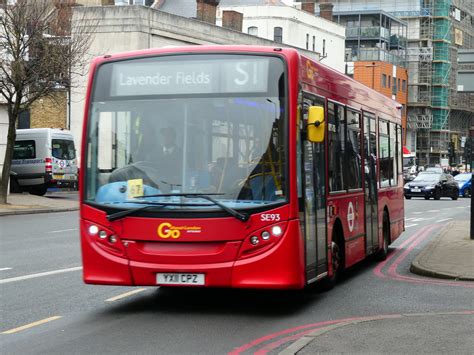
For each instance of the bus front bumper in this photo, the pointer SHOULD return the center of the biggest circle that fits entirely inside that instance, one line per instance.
(281, 267)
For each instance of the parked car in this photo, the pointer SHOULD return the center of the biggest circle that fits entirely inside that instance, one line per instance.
(434, 169)
(43, 158)
(464, 181)
(431, 184)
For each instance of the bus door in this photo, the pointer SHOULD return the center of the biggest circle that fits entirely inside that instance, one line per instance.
(370, 152)
(312, 197)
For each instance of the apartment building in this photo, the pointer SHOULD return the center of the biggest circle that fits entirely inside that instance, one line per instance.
(437, 113)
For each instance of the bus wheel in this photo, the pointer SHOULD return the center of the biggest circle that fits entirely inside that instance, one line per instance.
(383, 252)
(337, 263)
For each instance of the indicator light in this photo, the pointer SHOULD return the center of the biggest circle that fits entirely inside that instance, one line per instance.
(254, 240)
(102, 234)
(112, 239)
(265, 235)
(276, 231)
(93, 230)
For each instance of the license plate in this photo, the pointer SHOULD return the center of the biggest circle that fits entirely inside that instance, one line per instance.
(180, 279)
(415, 190)
(58, 176)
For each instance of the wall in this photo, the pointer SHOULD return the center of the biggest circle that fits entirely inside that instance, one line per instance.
(50, 112)
(296, 24)
(126, 28)
(370, 74)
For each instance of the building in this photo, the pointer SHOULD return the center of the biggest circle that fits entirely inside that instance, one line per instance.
(436, 31)
(375, 53)
(273, 20)
(291, 26)
(126, 28)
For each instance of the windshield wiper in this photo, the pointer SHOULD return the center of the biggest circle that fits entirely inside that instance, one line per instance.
(243, 217)
(121, 214)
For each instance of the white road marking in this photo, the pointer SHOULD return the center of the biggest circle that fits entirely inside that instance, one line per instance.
(411, 225)
(445, 219)
(64, 230)
(417, 212)
(421, 219)
(31, 325)
(5, 268)
(41, 274)
(433, 211)
(123, 295)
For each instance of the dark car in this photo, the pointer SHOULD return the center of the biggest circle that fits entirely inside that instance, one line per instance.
(431, 184)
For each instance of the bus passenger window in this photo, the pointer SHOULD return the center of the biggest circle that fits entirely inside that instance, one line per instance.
(384, 151)
(353, 161)
(336, 128)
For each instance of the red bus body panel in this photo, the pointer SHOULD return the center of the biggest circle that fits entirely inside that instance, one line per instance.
(220, 247)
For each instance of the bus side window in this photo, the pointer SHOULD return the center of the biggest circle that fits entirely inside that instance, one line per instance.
(353, 160)
(336, 146)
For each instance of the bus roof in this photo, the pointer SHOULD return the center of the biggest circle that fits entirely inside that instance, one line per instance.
(349, 91)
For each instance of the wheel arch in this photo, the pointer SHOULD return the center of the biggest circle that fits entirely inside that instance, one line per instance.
(338, 237)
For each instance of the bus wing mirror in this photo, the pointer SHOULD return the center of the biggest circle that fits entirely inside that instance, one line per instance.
(316, 124)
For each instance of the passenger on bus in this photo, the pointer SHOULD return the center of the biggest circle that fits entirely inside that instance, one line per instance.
(170, 158)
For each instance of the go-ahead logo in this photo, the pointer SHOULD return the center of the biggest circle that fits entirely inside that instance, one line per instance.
(167, 230)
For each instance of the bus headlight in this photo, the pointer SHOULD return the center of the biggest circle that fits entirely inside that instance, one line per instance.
(265, 235)
(276, 231)
(254, 240)
(93, 230)
(261, 240)
(104, 237)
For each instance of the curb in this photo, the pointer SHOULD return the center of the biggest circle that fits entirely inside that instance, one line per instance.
(35, 211)
(418, 268)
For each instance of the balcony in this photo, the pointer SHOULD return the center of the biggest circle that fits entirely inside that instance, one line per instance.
(367, 32)
(375, 54)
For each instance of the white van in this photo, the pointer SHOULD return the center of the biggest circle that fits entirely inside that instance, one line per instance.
(43, 158)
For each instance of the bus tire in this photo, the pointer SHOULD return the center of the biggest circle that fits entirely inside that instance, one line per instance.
(383, 252)
(337, 259)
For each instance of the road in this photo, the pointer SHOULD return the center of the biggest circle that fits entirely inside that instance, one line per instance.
(45, 307)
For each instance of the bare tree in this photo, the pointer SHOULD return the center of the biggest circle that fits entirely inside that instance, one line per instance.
(38, 49)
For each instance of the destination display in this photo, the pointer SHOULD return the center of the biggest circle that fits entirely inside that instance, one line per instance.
(135, 78)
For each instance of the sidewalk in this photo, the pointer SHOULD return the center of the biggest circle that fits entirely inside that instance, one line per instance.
(25, 203)
(449, 256)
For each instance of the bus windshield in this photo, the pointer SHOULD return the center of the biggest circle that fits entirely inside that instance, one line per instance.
(192, 124)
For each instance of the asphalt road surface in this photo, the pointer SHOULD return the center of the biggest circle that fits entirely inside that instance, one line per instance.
(46, 308)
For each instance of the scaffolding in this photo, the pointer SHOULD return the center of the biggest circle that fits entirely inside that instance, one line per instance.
(441, 89)
(437, 112)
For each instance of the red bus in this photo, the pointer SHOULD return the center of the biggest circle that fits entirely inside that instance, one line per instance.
(234, 166)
